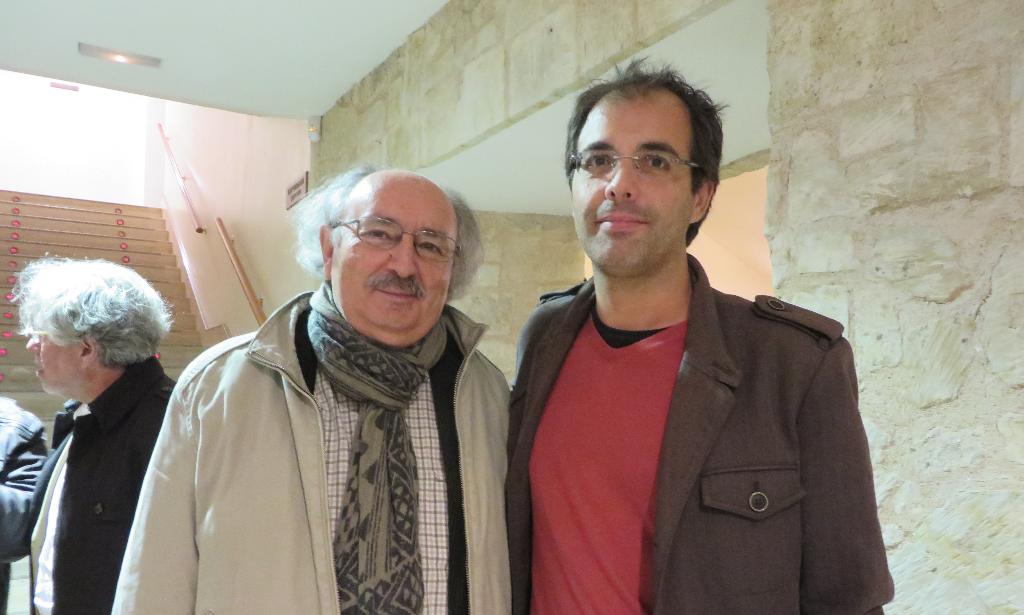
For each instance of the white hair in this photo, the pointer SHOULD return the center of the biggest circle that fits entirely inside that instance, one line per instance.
(73, 300)
(325, 205)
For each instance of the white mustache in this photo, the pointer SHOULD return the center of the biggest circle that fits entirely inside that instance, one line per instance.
(392, 281)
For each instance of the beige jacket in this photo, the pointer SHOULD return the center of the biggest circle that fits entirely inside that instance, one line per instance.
(233, 516)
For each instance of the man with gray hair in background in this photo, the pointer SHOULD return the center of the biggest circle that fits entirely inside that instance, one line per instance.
(93, 328)
(349, 455)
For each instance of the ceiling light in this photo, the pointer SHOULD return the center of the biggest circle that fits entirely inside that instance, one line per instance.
(113, 55)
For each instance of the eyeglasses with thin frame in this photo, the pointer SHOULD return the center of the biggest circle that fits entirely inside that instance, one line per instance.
(386, 234)
(34, 334)
(601, 163)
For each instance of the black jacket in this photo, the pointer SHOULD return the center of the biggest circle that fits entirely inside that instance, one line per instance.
(109, 453)
(22, 452)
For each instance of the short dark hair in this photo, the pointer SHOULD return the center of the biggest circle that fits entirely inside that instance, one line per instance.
(639, 79)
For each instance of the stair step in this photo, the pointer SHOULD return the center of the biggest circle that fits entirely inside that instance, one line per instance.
(11, 264)
(17, 354)
(82, 215)
(45, 406)
(60, 201)
(96, 228)
(184, 323)
(174, 292)
(183, 328)
(183, 331)
(18, 377)
(26, 248)
(82, 239)
(34, 226)
(20, 383)
(181, 309)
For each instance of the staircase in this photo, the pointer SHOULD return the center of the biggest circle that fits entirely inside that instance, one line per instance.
(33, 226)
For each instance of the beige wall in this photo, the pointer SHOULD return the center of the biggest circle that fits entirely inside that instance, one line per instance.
(526, 255)
(480, 65)
(239, 167)
(731, 245)
(895, 183)
(895, 206)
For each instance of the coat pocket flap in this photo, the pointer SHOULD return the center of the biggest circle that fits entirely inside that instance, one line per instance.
(754, 492)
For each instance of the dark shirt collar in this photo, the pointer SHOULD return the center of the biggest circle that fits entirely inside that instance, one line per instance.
(120, 398)
(620, 338)
(706, 348)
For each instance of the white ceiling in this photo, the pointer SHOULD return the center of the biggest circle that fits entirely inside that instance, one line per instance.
(296, 59)
(290, 59)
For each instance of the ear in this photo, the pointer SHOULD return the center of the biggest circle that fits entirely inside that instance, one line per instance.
(89, 350)
(702, 201)
(327, 248)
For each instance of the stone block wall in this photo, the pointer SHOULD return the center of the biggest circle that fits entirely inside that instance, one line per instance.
(526, 256)
(895, 205)
(478, 66)
(895, 188)
(475, 67)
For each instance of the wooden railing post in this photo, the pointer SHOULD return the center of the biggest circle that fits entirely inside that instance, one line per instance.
(255, 304)
(181, 180)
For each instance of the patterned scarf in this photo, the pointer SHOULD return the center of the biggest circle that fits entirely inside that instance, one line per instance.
(377, 560)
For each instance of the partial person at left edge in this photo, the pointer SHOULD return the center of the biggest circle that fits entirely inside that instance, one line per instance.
(22, 453)
(93, 328)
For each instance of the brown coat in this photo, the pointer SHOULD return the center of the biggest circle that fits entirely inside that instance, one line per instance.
(765, 501)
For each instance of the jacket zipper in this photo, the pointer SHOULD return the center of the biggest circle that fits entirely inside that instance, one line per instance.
(462, 476)
(323, 462)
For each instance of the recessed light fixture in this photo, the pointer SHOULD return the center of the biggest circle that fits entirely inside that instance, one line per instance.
(120, 57)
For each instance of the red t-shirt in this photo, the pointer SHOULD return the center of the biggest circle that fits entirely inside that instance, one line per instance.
(592, 474)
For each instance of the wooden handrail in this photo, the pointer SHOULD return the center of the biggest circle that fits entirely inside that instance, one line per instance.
(255, 304)
(181, 180)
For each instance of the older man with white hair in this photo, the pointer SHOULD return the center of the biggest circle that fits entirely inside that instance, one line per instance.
(348, 456)
(93, 327)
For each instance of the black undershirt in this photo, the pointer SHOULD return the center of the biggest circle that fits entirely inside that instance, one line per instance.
(620, 338)
(442, 384)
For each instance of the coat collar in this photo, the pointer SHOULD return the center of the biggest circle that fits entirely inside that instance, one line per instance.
(705, 341)
(121, 397)
(274, 342)
(706, 350)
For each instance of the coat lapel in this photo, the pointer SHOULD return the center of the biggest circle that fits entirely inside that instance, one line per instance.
(545, 363)
(542, 356)
(701, 402)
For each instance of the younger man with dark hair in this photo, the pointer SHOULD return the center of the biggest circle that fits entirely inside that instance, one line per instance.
(674, 450)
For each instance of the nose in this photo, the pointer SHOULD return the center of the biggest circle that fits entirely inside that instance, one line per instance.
(403, 257)
(32, 345)
(622, 183)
